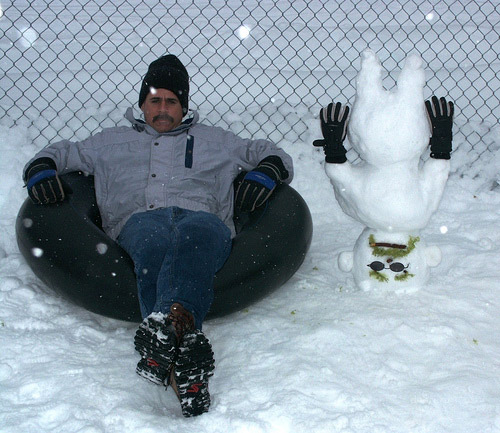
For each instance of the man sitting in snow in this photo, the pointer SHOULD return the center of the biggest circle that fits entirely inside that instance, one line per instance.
(164, 187)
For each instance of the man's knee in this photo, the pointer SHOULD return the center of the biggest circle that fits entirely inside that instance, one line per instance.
(207, 226)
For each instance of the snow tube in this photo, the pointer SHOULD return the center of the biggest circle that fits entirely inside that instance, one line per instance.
(67, 249)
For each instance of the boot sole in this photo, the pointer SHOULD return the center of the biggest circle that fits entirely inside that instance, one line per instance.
(156, 340)
(193, 367)
(154, 374)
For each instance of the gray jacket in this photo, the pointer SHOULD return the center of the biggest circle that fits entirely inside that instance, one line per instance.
(137, 169)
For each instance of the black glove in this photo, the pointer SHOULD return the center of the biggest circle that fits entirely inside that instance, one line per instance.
(441, 116)
(334, 129)
(257, 185)
(43, 183)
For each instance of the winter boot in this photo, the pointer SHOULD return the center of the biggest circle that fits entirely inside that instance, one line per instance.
(193, 367)
(156, 343)
(149, 369)
(157, 340)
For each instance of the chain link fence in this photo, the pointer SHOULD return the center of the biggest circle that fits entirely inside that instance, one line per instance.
(260, 68)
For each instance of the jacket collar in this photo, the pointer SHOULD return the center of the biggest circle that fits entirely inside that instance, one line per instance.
(141, 126)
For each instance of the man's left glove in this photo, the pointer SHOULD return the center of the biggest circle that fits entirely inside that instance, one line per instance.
(43, 183)
(257, 185)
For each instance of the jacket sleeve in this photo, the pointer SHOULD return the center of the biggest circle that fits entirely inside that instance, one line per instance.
(249, 153)
(70, 155)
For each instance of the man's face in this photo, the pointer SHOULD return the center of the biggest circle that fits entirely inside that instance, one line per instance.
(162, 110)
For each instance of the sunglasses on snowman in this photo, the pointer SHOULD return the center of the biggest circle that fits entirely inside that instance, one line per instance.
(394, 267)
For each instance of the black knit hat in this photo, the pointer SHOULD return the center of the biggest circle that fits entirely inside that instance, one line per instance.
(169, 73)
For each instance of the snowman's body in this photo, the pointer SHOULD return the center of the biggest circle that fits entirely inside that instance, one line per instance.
(397, 197)
(392, 191)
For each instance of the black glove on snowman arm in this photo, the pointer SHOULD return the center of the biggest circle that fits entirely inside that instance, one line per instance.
(334, 129)
(441, 116)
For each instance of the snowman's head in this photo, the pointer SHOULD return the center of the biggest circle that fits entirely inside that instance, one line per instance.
(389, 126)
(392, 261)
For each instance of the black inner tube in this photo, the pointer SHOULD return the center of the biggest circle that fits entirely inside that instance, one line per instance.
(67, 249)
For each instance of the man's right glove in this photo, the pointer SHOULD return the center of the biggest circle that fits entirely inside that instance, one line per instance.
(334, 129)
(441, 117)
(43, 183)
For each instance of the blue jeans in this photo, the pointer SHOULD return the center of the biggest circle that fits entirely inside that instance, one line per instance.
(176, 253)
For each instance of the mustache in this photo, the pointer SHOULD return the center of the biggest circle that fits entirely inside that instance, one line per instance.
(163, 116)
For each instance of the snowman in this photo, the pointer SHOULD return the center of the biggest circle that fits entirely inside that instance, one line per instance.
(392, 191)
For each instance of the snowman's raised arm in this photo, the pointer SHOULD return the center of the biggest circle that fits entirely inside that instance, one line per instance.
(334, 129)
(441, 116)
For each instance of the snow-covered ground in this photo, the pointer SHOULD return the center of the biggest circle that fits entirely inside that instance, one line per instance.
(318, 355)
